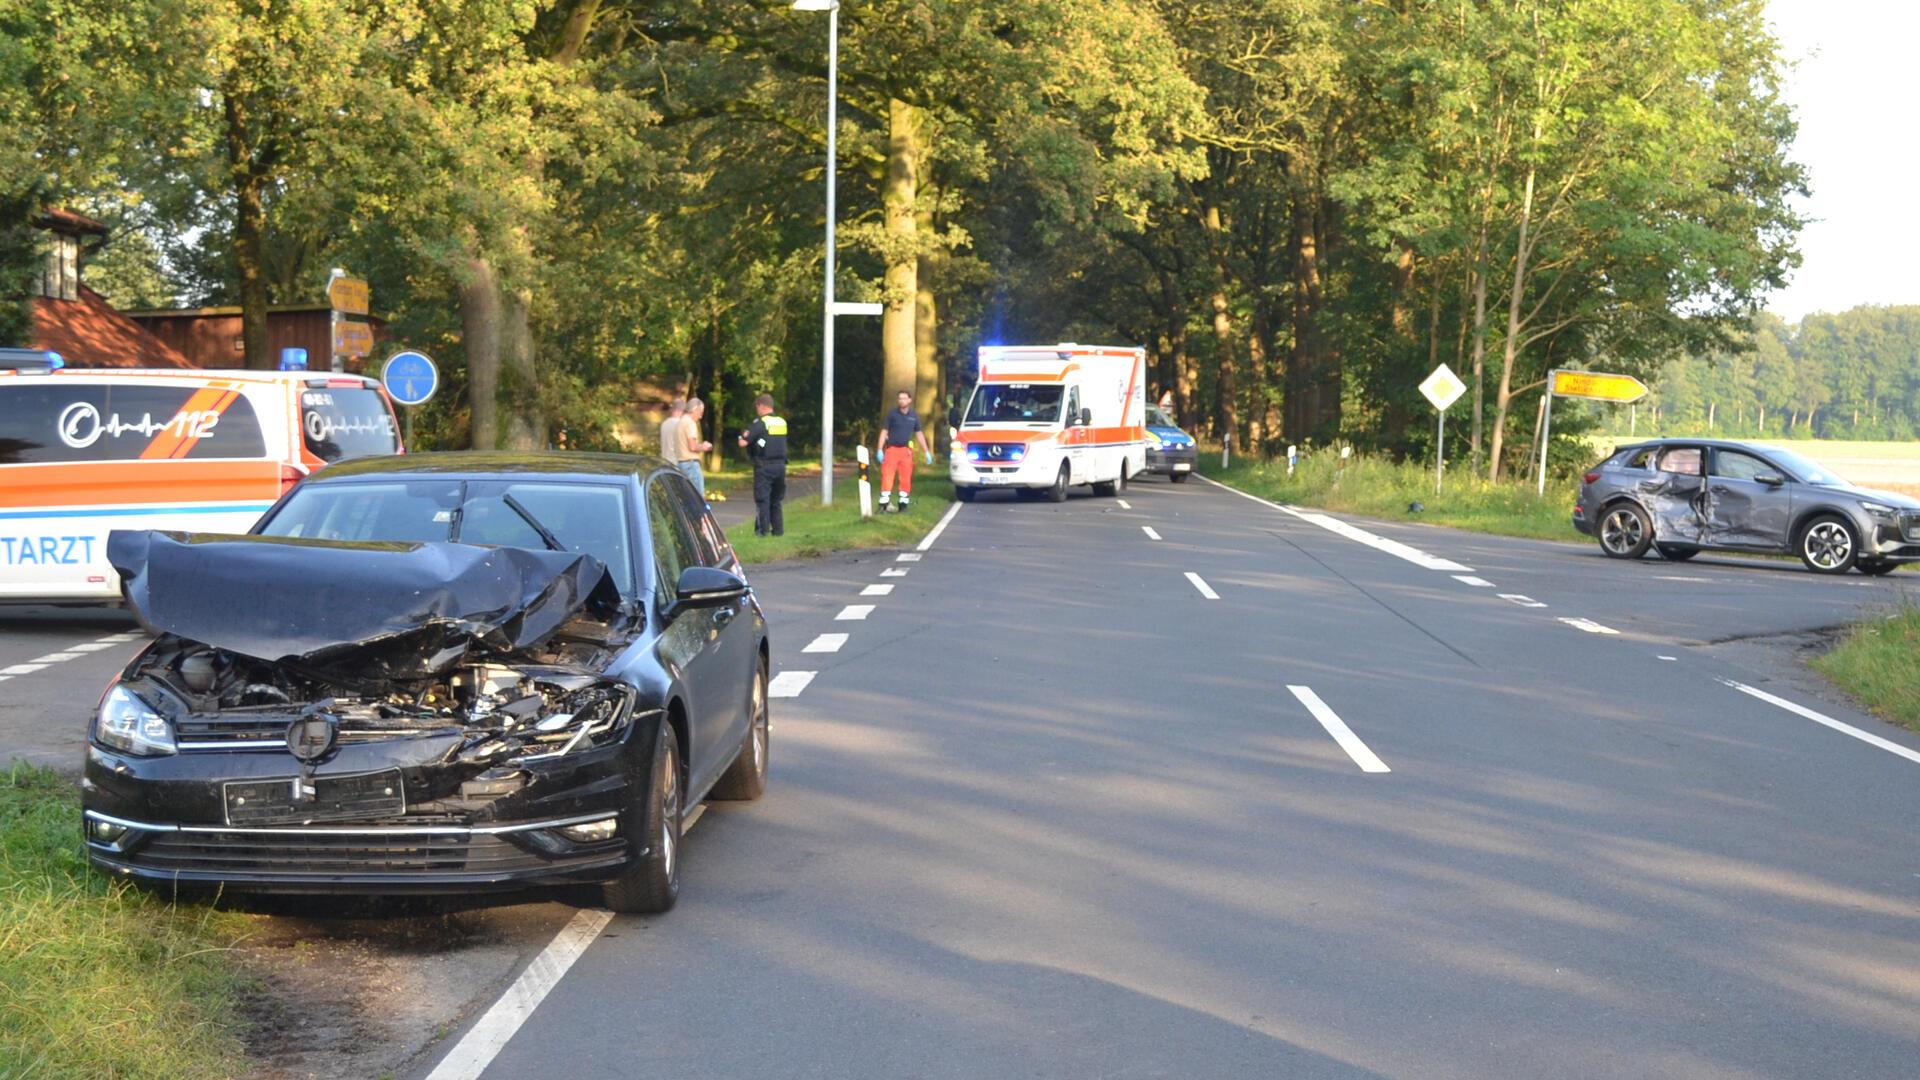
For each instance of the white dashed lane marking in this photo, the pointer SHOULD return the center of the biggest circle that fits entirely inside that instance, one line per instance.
(910, 556)
(894, 571)
(789, 683)
(853, 611)
(1124, 504)
(876, 590)
(21, 669)
(1342, 734)
(826, 643)
(56, 657)
(1522, 600)
(1476, 582)
(1588, 625)
(1148, 529)
(1206, 590)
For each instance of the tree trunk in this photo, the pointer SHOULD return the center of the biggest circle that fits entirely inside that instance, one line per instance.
(249, 232)
(1510, 348)
(1304, 368)
(900, 195)
(1477, 285)
(1225, 385)
(526, 424)
(480, 339)
(930, 387)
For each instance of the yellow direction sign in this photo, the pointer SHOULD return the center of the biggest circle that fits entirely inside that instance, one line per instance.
(348, 296)
(1599, 387)
(352, 338)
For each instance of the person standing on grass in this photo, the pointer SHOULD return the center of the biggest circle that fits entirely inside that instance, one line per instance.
(692, 445)
(765, 441)
(670, 430)
(896, 452)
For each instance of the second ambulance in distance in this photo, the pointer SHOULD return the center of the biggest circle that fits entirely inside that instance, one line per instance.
(1048, 417)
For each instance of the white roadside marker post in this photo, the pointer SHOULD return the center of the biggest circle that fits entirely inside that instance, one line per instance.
(865, 461)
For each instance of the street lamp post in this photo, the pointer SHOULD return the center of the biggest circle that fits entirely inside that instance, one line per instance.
(832, 8)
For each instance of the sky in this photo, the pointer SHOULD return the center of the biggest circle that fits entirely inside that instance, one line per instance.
(1854, 88)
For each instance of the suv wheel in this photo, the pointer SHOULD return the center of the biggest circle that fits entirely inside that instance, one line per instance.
(1625, 531)
(1828, 545)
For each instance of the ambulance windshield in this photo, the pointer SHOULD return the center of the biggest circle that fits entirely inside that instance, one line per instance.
(1015, 403)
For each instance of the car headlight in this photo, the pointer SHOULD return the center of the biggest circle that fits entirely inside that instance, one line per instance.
(586, 720)
(1879, 510)
(130, 725)
(1154, 438)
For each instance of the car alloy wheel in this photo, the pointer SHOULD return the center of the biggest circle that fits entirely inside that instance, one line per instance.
(1623, 532)
(650, 884)
(1827, 546)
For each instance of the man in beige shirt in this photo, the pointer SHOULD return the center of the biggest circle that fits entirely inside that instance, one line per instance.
(691, 445)
(670, 430)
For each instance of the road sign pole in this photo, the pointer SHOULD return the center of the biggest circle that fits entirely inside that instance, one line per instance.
(1546, 430)
(1439, 450)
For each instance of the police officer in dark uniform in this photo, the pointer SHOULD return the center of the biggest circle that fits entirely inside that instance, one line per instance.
(766, 443)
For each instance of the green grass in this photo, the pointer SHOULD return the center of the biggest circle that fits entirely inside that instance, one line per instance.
(812, 529)
(97, 979)
(1879, 664)
(1383, 489)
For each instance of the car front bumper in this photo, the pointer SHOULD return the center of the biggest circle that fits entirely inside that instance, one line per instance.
(165, 820)
(1171, 459)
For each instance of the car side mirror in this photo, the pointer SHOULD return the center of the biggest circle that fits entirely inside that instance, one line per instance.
(1086, 417)
(953, 417)
(705, 586)
(1770, 480)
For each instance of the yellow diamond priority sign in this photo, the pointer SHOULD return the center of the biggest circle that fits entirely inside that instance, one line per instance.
(1443, 387)
(1598, 386)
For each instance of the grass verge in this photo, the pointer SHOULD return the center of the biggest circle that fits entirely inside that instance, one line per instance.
(1879, 664)
(98, 979)
(813, 529)
(1383, 489)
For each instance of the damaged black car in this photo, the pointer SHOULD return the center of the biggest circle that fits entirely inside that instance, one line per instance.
(438, 673)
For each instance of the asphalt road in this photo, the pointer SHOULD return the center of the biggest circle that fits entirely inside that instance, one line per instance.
(1051, 810)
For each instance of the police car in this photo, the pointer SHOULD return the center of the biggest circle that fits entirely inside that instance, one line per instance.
(1170, 451)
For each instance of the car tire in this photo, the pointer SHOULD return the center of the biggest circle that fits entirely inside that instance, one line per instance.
(964, 493)
(746, 779)
(1625, 531)
(1676, 553)
(650, 884)
(1875, 568)
(1058, 492)
(1120, 485)
(1828, 544)
(1181, 477)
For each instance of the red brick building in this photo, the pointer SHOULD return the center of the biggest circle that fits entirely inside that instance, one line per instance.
(77, 322)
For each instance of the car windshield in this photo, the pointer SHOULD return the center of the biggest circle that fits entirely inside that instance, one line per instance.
(584, 518)
(1807, 470)
(1017, 403)
(1156, 418)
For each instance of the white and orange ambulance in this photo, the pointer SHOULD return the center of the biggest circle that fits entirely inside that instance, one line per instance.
(85, 452)
(1044, 418)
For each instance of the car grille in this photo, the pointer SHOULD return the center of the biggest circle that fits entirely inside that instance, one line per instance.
(1910, 525)
(243, 731)
(252, 853)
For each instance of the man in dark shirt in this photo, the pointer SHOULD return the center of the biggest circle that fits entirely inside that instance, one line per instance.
(896, 452)
(766, 443)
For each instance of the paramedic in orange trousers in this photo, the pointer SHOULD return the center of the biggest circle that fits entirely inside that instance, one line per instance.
(896, 452)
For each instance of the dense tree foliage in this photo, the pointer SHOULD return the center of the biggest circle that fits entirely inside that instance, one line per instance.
(1299, 206)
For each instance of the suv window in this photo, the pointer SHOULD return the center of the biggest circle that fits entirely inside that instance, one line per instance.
(124, 422)
(1639, 459)
(1734, 465)
(674, 548)
(1683, 460)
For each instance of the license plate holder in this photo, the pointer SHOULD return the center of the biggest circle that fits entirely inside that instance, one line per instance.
(359, 797)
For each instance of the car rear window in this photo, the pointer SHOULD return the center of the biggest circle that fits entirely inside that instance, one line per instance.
(343, 422)
(67, 422)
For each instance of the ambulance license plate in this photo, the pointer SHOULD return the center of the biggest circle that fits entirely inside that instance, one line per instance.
(996, 479)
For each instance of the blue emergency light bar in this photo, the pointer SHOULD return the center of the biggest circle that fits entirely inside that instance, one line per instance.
(37, 361)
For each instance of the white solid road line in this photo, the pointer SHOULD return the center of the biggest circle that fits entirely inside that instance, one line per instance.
(853, 611)
(1205, 589)
(1124, 504)
(894, 571)
(478, 1047)
(876, 590)
(1353, 532)
(1342, 734)
(1151, 535)
(1588, 625)
(826, 643)
(945, 520)
(1469, 579)
(790, 683)
(1521, 599)
(1821, 718)
(906, 557)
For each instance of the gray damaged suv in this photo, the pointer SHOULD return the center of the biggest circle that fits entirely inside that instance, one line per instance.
(1685, 496)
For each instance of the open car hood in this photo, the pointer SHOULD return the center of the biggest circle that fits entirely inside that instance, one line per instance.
(367, 611)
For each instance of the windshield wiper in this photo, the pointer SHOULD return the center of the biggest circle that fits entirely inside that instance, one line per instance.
(546, 535)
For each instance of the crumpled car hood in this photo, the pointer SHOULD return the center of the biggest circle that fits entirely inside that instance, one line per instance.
(367, 610)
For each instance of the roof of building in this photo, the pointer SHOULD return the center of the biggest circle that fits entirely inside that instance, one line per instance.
(60, 220)
(88, 332)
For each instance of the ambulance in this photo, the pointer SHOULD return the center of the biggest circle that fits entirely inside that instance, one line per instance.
(85, 452)
(1045, 418)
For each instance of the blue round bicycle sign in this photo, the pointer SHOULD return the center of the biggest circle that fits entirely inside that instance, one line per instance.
(410, 377)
